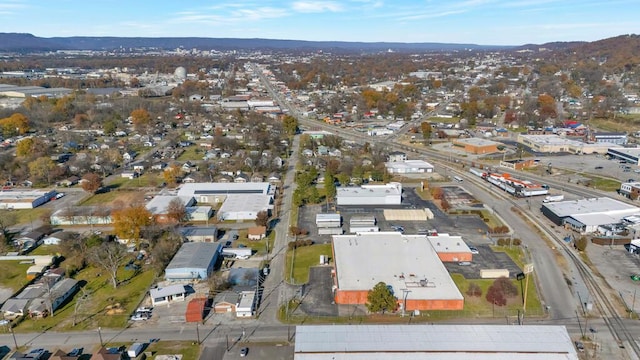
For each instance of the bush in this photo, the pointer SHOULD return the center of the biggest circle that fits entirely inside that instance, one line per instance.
(516, 242)
(506, 286)
(299, 243)
(474, 290)
(581, 243)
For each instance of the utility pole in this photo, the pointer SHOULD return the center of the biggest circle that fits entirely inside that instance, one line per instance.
(15, 342)
(100, 336)
(198, 332)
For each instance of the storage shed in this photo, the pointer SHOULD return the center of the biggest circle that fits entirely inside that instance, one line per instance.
(195, 309)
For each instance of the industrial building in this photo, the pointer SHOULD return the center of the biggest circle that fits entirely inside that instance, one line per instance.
(409, 264)
(213, 193)
(630, 155)
(587, 215)
(409, 167)
(630, 189)
(451, 342)
(194, 261)
(477, 146)
(199, 234)
(363, 223)
(13, 91)
(329, 224)
(555, 143)
(387, 194)
(25, 199)
(241, 207)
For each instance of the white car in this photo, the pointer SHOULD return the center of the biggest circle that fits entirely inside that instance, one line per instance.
(59, 195)
(140, 316)
(474, 250)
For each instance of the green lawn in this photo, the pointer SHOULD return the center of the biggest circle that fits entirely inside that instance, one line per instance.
(101, 295)
(25, 216)
(146, 180)
(260, 247)
(192, 153)
(446, 120)
(100, 199)
(479, 305)
(46, 250)
(604, 184)
(304, 258)
(13, 275)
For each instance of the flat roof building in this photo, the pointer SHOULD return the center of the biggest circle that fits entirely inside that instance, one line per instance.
(217, 192)
(25, 199)
(407, 263)
(431, 342)
(586, 215)
(555, 143)
(387, 194)
(477, 145)
(244, 206)
(159, 206)
(194, 261)
(409, 167)
(630, 155)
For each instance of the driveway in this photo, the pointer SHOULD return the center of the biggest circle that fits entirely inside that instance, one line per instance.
(317, 297)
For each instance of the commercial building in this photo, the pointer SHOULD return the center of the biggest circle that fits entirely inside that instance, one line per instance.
(450, 342)
(587, 215)
(610, 138)
(409, 264)
(477, 146)
(387, 194)
(200, 234)
(25, 199)
(409, 167)
(630, 189)
(82, 215)
(241, 207)
(159, 206)
(167, 294)
(213, 193)
(13, 91)
(194, 261)
(246, 304)
(630, 155)
(555, 143)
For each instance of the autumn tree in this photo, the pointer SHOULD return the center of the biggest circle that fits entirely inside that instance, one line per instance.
(129, 221)
(425, 126)
(16, 124)
(164, 250)
(140, 118)
(171, 174)
(109, 256)
(507, 286)
(290, 125)
(262, 218)
(546, 106)
(25, 147)
(7, 219)
(41, 169)
(91, 182)
(381, 299)
(474, 290)
(176, 211)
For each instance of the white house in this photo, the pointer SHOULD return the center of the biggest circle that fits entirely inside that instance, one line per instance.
(167, 294)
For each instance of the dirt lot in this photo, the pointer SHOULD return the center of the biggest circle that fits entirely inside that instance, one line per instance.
(617, 265)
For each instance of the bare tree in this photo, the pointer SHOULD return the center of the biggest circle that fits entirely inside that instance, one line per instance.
(109, 256)
(81, 300)
(177, 211)
(262, 218)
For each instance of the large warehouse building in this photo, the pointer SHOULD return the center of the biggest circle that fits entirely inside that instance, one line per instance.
(408, 263)
(387, 194)
(630, 155)
(450, 342)
(25, 199)
(194, 261)
(555, 143)
(587, 215)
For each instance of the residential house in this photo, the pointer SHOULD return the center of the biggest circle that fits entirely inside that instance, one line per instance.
(188, 180)
(159, 166)
(241, 178)
(323, 150)
(256, 232)
(307, 152)
(138, 168)
(335, 153)
(70, 181)
(278, 162)
(129, 174)
(60, 292)
(274, 178)
(395, 156)
(128, 156)
(108, 354)
(224, 178)
(257, 178)
(14, 308)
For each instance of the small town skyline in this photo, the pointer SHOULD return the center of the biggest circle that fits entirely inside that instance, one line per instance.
(483, 22)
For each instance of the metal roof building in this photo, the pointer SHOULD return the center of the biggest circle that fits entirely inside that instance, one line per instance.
(431, 342)
(194, 261)
(387, 194)
(407, 263)
(586, 215)
(244, 206)
(218, 192)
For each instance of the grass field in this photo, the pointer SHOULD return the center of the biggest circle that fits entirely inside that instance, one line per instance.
(192, 153)
(101, 294)
(146, 180)
(25, 216)
(126, 197)
(446, 120)
(624, 123)
(13, 275)
(304, 258)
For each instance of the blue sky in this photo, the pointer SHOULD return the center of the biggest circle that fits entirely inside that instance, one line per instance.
(488, 22)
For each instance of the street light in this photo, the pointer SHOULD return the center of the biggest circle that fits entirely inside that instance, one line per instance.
(100, 335)
(15, 342)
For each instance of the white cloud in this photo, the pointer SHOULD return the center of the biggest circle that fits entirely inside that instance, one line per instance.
(234, 14)
(316, 6)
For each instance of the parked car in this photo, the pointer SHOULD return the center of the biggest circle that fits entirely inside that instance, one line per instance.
(139, 316)
(244, 352)
(598, 167)
(474, 250)
(60, 195)
(464, 263)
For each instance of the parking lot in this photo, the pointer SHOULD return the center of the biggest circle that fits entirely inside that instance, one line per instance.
(471, 227)
(486, 258)
(592, 164)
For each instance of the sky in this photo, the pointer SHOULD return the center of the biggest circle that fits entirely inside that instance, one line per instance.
(483, 22)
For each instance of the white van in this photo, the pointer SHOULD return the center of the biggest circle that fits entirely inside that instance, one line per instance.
(457, 178)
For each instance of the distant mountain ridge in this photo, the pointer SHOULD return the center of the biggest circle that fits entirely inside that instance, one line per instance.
(17, 42)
